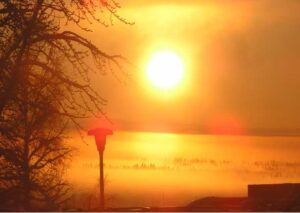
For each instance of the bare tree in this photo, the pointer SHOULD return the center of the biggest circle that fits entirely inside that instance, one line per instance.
(32, 151)
(44, 84)
(35, 28)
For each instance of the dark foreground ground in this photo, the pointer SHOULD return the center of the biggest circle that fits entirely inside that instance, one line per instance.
(210, 204)
(221, 204)
(261, 198)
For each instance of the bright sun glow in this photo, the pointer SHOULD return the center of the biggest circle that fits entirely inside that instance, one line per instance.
(165, 70)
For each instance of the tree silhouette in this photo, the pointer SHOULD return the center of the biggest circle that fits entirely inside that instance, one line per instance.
(35, 28)
(32, 150)
(44, 84)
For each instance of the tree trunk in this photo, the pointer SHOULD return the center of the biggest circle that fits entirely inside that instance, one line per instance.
(9, 89)
(26, 179)
(26, 163)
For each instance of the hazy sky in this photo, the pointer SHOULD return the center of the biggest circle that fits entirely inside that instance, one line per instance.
(242, 63)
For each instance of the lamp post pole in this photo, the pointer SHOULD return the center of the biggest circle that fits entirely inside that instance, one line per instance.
(102, 202)
(100, 139)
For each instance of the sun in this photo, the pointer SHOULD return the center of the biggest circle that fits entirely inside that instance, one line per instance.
(165, 70)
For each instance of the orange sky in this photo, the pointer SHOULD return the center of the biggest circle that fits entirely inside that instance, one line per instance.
(242, 77)
(241, 58)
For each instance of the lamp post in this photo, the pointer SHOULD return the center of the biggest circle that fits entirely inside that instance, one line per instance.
(100, 138)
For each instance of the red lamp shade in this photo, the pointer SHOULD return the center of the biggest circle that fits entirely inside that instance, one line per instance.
(100, 136)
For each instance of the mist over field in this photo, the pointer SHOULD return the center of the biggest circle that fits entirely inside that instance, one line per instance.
(144, 171)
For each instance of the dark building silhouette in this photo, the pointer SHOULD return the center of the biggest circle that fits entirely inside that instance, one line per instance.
(263, 197)
(274, 192)
(281, 197)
